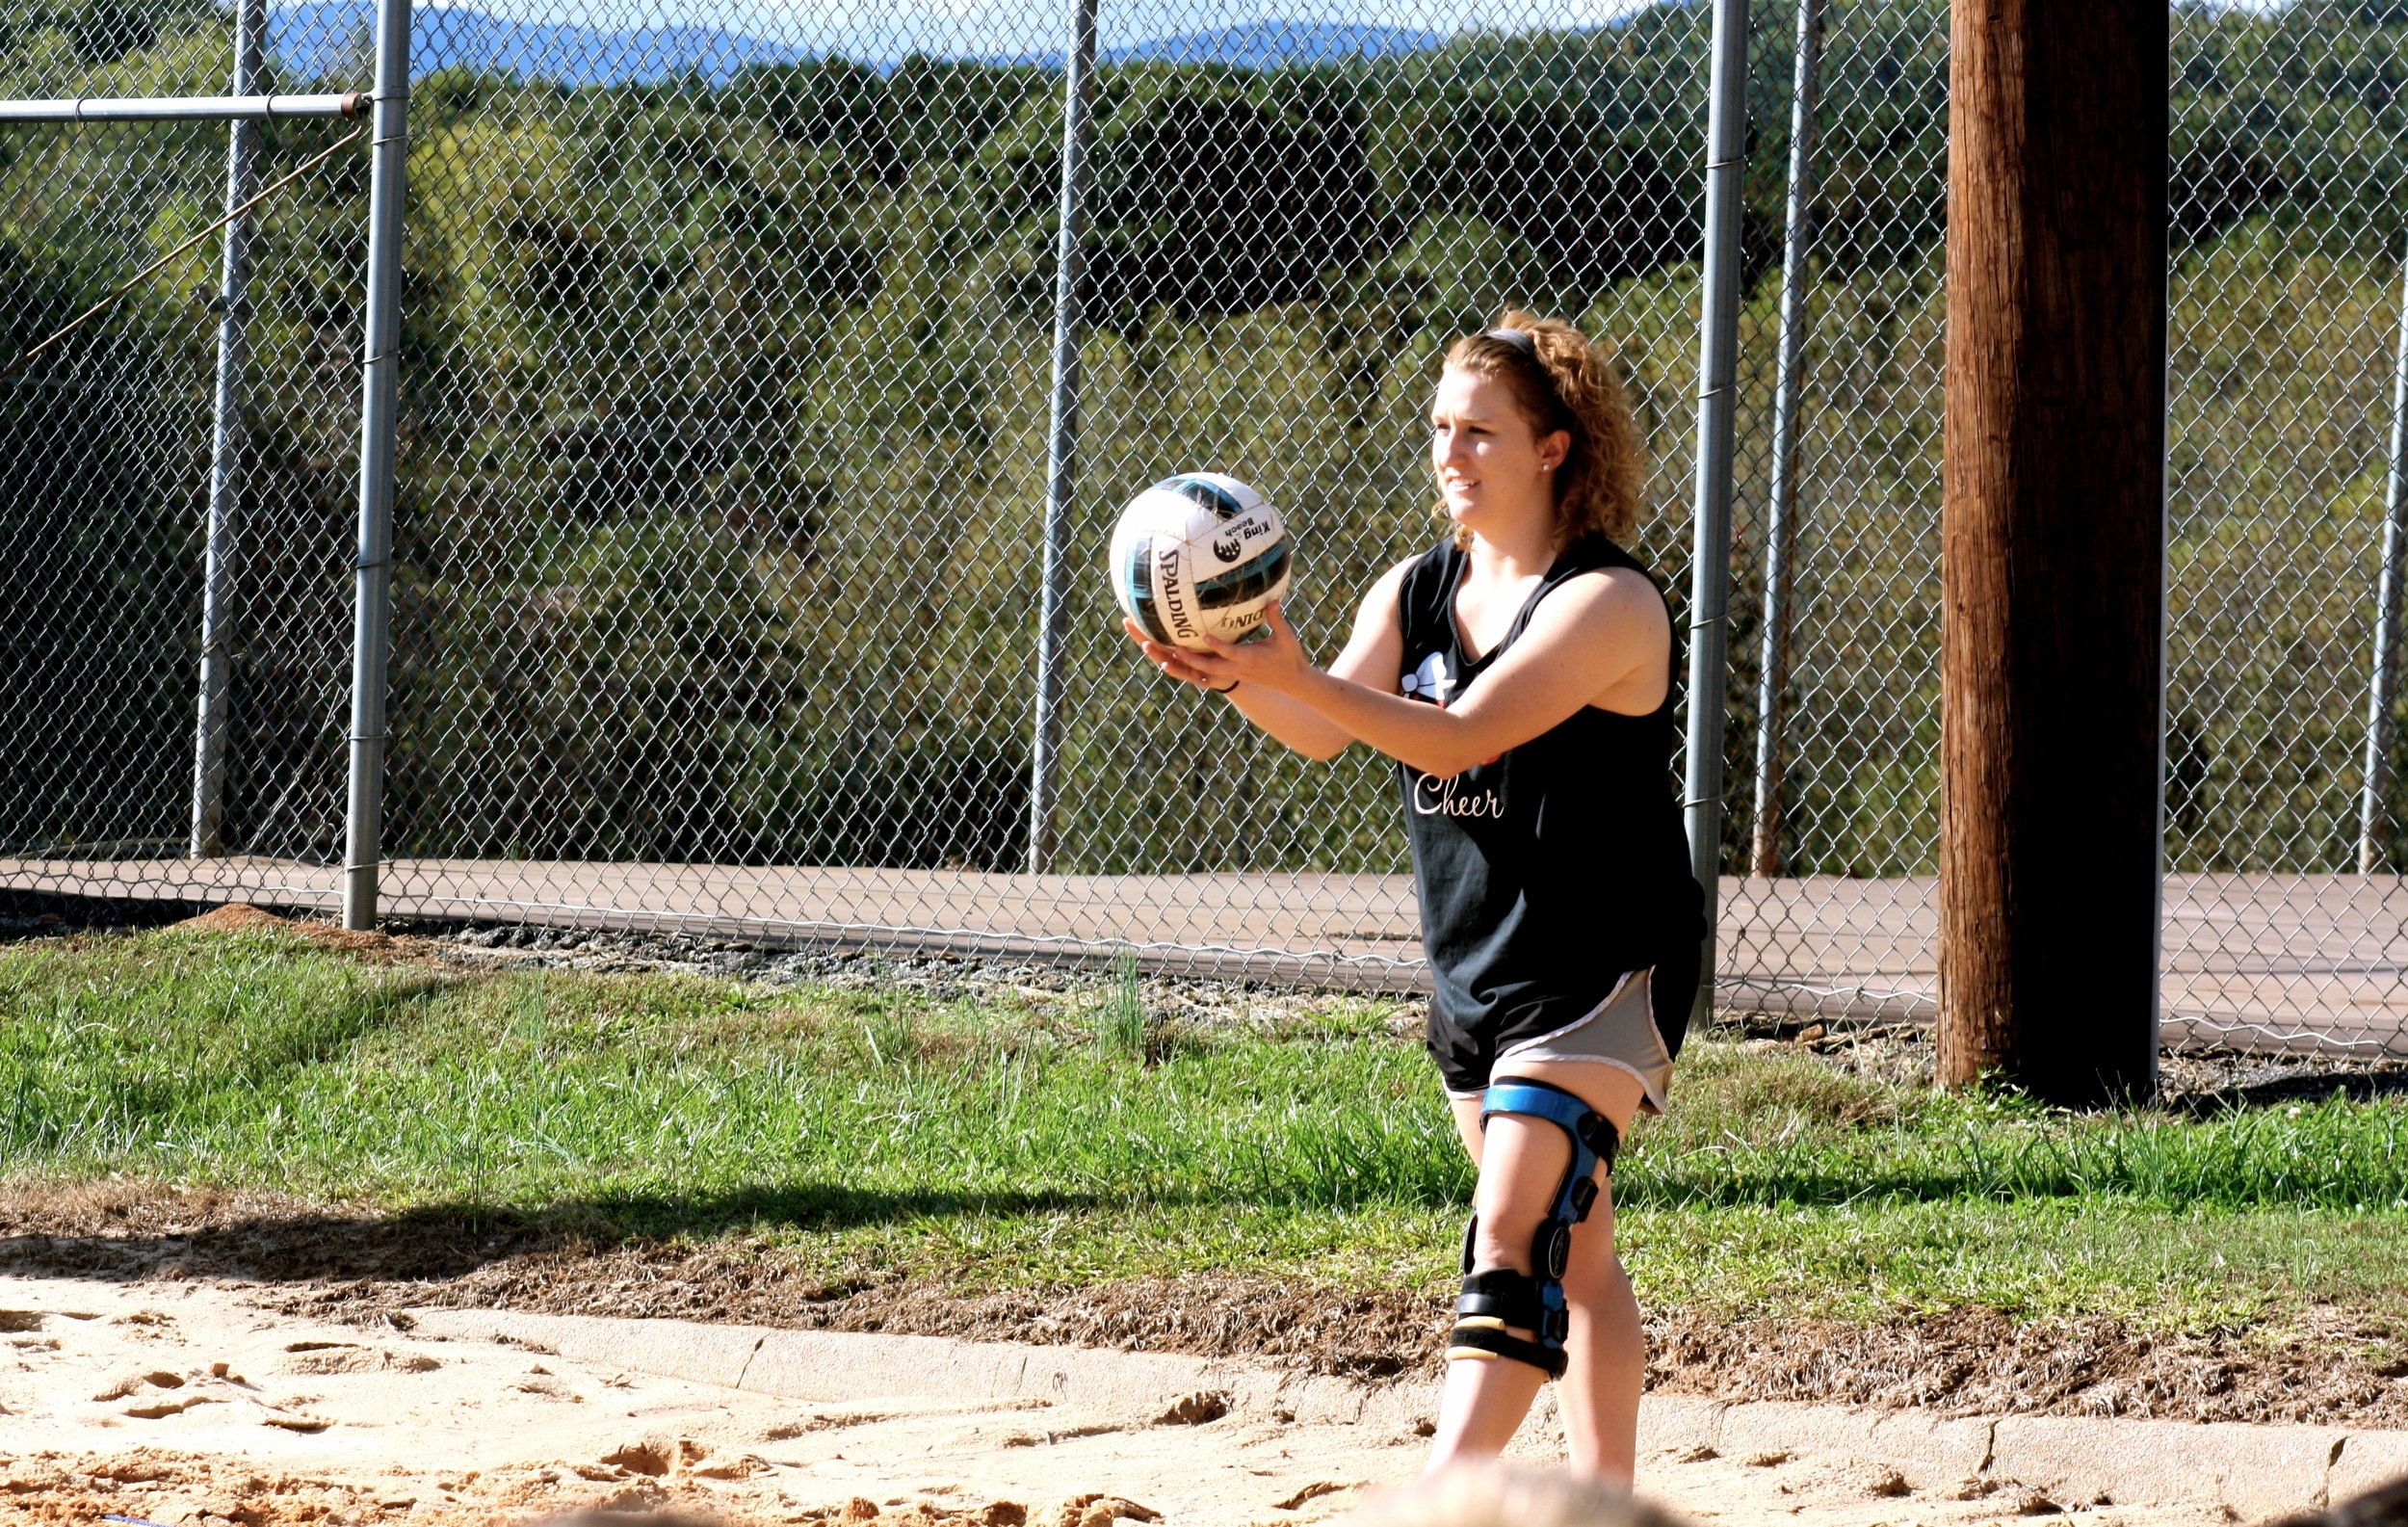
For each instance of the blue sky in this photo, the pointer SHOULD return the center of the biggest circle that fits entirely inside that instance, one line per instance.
(887, 29)
(1008, 27)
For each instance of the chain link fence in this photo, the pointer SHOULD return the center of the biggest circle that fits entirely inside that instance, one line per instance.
(114, 494)
(724, 458)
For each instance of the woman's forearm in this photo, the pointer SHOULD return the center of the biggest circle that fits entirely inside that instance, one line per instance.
(1291, 721)
(1437, 742)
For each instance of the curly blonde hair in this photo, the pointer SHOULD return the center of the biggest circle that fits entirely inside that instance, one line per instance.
(1566, 383)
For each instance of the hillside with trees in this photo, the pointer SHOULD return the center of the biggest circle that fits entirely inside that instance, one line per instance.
(725, 412)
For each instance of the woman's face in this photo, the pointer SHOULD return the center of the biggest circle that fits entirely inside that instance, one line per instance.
(1493, 471)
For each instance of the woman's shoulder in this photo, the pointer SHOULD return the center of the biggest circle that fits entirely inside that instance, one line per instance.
(1428, 574)
(1601, 589)
(1422, 584)
(1597, 552)
(1609, 570)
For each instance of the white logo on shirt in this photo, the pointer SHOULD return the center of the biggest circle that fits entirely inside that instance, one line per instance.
(1430, 681)
(1433, 796)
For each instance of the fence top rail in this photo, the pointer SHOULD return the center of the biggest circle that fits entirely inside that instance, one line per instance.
(183, 107)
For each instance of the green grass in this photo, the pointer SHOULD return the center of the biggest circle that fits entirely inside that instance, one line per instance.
(1005, 1145)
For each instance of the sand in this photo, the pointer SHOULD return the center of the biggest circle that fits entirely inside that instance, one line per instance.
(187, 1402)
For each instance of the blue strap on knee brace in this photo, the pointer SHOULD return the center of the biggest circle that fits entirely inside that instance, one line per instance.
(1594, 1139)
(1534, 1302)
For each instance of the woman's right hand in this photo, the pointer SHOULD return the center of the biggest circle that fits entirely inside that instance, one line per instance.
(1177, 661)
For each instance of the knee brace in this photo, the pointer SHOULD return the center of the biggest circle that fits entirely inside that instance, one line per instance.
(1535, 1300)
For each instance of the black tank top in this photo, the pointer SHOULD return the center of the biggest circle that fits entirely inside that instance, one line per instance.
(1548, 871)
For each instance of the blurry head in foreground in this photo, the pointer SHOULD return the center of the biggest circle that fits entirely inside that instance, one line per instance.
(1503, 1495)
(2386, 1506)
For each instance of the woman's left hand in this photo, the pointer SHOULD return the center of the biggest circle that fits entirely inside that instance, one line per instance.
(1177, 661)
(1275, 660)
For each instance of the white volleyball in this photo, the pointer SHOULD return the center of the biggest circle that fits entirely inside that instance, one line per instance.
(1199, 555)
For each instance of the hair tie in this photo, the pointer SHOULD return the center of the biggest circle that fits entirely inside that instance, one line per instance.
(1519, 338)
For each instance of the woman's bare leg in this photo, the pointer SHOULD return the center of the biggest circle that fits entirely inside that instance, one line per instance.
(1521, 1160)
(1599, 1392)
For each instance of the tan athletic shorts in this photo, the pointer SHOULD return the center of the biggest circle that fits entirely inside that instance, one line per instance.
(1619, 1032)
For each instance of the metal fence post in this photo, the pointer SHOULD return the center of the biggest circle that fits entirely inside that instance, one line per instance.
(1779, 513)
(2387, 601)
(1717, 394)
(1061, 456)
(381, 362)
(226, 454)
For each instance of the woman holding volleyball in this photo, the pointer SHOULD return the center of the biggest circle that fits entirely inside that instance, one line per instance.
(1520, 672)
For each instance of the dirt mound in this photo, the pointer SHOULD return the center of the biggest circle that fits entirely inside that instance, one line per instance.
(242, 917)
(234, 917)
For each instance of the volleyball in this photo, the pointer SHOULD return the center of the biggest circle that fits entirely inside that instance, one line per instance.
(1197, 556)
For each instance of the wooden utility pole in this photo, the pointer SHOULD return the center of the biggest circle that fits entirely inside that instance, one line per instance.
(2053, 546)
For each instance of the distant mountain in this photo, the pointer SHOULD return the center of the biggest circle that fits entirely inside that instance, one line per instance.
(1271, 44)
(322, 37)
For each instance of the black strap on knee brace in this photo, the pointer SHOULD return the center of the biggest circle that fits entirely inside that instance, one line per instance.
(1534, 1302)
(1502, 1297)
